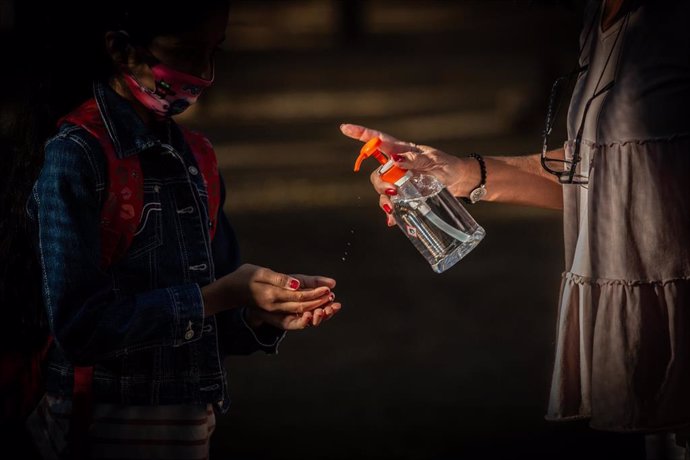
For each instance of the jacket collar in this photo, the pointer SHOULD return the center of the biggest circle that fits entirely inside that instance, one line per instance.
(128, 132)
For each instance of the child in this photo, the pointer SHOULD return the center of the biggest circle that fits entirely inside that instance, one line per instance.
(141, 282)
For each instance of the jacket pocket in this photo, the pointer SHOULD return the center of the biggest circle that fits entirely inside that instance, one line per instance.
(149, 232)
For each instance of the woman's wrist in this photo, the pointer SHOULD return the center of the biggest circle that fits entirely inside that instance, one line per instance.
(466, 174)
(478, 193)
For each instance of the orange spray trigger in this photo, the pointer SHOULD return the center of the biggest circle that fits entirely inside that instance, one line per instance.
(372, 149)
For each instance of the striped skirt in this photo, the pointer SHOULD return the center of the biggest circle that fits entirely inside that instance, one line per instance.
(126, 432)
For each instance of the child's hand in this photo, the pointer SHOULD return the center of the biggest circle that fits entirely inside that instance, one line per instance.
(264, 289)
(291, 322)
(256, 317)
(327, 311)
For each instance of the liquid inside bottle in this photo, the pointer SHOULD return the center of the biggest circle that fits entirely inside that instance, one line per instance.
(435, 221)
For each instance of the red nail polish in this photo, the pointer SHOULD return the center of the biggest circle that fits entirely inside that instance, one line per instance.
(331, 297)
(294, 284)
(391, 192)
(387, 208)
(398, 158)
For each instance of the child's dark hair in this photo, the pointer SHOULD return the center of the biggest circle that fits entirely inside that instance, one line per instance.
(52, 74)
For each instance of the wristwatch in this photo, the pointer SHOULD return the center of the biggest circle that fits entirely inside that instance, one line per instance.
(479, 192)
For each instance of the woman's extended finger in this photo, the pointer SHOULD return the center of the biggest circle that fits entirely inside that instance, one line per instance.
(364, 134)
(390, 144)
(309, 281)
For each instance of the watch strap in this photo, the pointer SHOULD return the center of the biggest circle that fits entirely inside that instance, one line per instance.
(482, 182)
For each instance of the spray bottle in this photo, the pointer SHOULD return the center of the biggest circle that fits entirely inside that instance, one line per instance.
(430, 216)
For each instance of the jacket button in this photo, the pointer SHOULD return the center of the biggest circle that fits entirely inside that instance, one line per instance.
(193, 171)
(189, 335)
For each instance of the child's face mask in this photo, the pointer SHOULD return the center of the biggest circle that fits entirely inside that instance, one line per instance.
(175, 90)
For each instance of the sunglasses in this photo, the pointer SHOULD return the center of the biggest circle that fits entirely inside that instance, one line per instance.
(568, 170)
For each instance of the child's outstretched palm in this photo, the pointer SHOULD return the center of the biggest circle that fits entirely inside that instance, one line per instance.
(284, 301)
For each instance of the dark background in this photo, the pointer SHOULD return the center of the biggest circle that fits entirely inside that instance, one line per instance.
(417, 365)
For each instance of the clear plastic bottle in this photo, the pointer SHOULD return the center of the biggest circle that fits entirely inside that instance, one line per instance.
(434, 220)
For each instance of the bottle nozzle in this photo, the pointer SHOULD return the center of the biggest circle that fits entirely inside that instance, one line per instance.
(389, 173)
(371, 149)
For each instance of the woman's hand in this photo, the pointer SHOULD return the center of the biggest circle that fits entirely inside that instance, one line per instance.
(446, 168)
(286, 321)
(263, 289)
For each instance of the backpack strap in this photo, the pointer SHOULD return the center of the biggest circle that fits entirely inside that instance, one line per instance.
(124, 203)
(205, 158)
(120, 216)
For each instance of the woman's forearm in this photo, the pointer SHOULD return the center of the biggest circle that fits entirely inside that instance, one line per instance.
(513, 180)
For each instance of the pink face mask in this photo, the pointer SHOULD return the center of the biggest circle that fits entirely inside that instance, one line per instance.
(175, 90)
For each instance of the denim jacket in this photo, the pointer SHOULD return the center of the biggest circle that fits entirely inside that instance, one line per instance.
(139, 322)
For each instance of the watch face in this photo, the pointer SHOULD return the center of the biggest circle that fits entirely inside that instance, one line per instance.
(477, 194)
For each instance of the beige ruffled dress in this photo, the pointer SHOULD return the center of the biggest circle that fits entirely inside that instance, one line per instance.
(623, 333)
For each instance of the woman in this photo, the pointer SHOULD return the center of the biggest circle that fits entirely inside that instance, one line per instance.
(623, 347)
